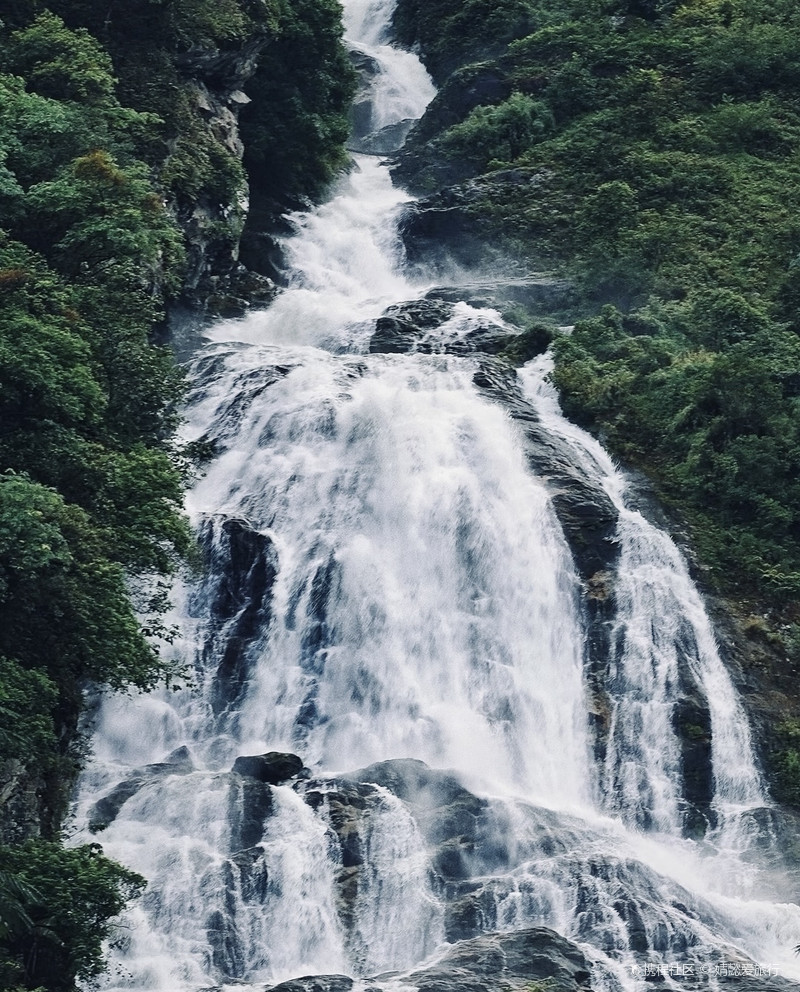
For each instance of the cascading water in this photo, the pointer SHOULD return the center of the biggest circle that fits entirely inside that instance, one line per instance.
(390, 584)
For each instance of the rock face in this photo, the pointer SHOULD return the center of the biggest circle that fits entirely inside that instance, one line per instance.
(106, 809)
(426, 326)
(21, 806)
(239, 602)
(214, 279)
(316, 983)
(503, 961)
(449, 226)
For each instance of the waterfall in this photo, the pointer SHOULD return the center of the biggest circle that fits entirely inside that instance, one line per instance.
(392, 598)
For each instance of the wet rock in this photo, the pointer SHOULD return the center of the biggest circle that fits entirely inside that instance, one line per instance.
(508, 961)
(249, 575)
(584, 509)
(418, 326)
(464, 918)
(450, 818)
(394, 337)
(242, 568)
(637, 932)
(403, 327)
(177, 762)
(346, 806)
(452, 228)
(692, 722)
(274, 768)
(423, 315)
(250, 803)
(364, 136)
(361, 108)
(536, 291)
(384, 141)
(426, 791)
(316, 634)
(227, 953)
(315, 983)
(248, 874)
(437, 235)
(107, 809)
(238, 291)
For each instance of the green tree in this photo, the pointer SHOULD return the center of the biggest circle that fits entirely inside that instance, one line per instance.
(59, 63)
(63, 904)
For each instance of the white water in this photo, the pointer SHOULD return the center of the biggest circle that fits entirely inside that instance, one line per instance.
(425, 605)
(660, 615)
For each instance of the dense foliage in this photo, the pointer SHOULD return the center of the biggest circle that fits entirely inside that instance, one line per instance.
(106, 156)
(56, 906)
(90, 491)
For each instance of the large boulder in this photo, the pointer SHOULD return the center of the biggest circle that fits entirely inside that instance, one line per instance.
(428, 326)
(315, 983)
(502, 961)
(272, 768)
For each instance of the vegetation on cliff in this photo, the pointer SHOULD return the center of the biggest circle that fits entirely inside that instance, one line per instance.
(650, 149)
(110, 136)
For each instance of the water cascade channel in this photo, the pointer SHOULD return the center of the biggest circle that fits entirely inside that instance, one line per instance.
(417, 753)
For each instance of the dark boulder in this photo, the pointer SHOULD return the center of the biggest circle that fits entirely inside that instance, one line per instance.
(403, 327)
(106, 810)
(315, 983)
(415, 327)
(273, 768)
(384, 141)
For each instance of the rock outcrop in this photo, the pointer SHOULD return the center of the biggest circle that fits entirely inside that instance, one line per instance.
(273, 768)
(215, 81)
(107, 809)
(238, 602)
(428, 326)
(507, 961)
